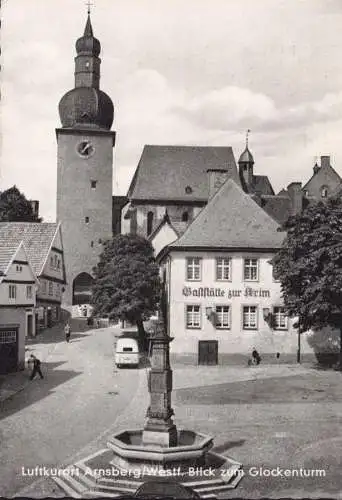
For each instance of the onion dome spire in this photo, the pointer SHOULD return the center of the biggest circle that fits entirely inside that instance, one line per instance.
(87, 105)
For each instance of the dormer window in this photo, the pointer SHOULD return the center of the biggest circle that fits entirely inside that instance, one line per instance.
(324, 191)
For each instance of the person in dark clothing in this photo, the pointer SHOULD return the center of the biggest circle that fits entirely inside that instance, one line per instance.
(67, 331)
(35, 367)
(256, 357)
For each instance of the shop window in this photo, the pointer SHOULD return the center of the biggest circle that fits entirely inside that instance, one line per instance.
(193, 268)
(12, 291)
(149, 223)
(222, 320)
(250, 270)
(193, 316)
(29, 291)
(250, 317)
(223, 269)
(280, 320)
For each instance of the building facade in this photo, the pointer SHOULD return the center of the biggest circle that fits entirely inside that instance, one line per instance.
(84, 170)
(222, 298)
(44, 247)
(18, 286)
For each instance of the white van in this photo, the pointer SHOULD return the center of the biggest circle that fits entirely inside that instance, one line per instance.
(127, 352)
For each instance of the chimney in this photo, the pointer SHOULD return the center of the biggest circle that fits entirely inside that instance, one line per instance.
(35, 208)
(325, 161)
(316, 168)
(216, 178)
(296, 195)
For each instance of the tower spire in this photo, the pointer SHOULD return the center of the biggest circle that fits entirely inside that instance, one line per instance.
(247, 137)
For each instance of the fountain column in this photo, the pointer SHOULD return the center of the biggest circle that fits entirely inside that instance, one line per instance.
(159, 429)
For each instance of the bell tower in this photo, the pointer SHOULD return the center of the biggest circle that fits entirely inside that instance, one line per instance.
(85, 145)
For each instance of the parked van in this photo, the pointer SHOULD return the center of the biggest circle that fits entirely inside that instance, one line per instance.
(127, 352)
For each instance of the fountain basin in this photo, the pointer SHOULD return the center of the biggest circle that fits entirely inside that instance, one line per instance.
(130, 452)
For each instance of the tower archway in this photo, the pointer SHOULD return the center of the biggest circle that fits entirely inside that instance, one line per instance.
(81, 289)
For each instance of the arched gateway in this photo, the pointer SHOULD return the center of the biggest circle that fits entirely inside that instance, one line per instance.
(81, 289)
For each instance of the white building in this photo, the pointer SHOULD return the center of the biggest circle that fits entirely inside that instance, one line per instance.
(222, 298)
(18, 286)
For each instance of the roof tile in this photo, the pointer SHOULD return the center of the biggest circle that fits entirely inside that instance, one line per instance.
(232, 219)
(37, 239)
(164, 172)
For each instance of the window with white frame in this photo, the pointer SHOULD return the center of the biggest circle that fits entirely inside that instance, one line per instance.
(193, 316)
(250, 269)
(29, 291)
(50, 288)
(222, 320)
(193, 268)
(223, 268)
(279, 318)
(324, 191)
(249, 317)
(12, 291)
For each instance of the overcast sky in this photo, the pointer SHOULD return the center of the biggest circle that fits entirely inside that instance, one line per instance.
(195, 72)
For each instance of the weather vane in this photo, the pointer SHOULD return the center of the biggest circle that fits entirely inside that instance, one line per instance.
(247, 136)
(88, 4)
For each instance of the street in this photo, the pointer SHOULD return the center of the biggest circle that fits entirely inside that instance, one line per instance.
(269, 418)
(80, 397)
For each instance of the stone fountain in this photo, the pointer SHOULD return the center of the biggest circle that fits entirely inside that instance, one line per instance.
(158, 450)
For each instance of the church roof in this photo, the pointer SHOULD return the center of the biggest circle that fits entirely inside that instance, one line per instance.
(37, 239)
(179, 172)
(232, 219)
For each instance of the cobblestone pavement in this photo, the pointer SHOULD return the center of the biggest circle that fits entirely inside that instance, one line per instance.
(81, 396)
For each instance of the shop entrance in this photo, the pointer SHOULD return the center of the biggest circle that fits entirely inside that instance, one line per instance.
(208, 352)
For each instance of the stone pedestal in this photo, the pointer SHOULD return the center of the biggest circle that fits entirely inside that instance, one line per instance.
(159, 429)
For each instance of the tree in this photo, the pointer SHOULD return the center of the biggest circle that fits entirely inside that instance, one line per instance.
(14, 207)
(309, 267)
(126, 282)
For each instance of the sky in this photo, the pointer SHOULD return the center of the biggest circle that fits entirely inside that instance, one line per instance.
(195, 72)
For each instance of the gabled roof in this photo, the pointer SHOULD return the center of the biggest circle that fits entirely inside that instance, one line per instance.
(232, 219)
(37, 239)
(321, 169)
(178, 226)
(8, 249)
(179, 172)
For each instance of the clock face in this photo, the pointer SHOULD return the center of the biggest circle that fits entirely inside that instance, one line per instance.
(85, 149)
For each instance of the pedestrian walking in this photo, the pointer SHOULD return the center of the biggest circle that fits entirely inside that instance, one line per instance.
(256, 357)
(67, 331)
(35, 367)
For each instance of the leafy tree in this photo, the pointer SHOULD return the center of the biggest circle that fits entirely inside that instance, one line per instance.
(14, 207)
(309, 266)
(126, 282)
